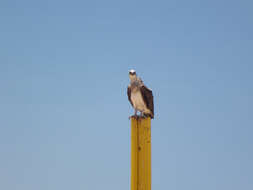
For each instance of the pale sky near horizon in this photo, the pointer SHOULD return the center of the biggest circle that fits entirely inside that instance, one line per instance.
(63, 104)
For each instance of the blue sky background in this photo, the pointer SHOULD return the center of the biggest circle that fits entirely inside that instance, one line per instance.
(63, 105)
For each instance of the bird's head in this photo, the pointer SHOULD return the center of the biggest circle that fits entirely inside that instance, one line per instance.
(132, 75)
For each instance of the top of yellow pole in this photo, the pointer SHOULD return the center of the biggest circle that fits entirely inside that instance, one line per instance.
(139, 118)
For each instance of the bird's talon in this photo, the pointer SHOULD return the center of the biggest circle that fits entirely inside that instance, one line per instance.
(134, 116)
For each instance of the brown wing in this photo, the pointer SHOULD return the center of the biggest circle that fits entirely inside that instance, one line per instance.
(148, 99)
(129, 95)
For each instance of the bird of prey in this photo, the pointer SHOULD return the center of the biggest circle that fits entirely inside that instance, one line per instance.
(140, 97)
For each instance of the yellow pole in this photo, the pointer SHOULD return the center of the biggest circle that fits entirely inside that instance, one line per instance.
(140, 153)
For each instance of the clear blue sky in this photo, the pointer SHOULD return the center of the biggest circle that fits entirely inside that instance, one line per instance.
(63, 105)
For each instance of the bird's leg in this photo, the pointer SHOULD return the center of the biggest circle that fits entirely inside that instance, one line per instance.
(135, 114)
(143, 115)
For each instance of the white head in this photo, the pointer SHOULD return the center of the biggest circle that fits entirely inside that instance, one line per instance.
(132, 75)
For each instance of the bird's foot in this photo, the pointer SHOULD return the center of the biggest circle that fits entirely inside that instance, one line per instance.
(143, 115)
(135, 116)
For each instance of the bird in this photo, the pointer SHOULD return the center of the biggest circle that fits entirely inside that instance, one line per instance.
(140, 96)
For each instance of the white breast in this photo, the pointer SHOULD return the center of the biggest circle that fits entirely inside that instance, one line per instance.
(138, 102)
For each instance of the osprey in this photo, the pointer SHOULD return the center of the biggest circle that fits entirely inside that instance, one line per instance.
(140, 97)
